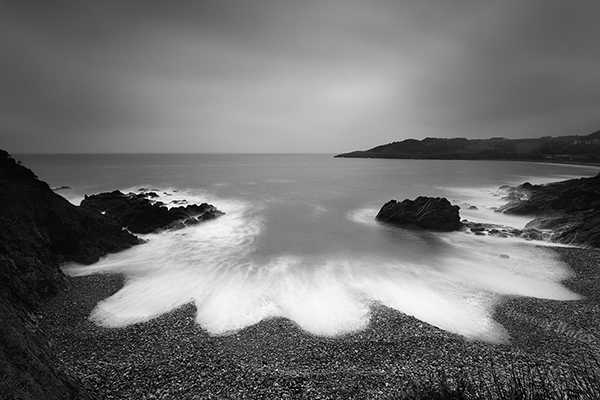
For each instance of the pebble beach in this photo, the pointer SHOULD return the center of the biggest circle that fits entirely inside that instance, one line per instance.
(396, 356)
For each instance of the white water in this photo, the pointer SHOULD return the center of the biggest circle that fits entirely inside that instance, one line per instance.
(299, 240)
(219, 266)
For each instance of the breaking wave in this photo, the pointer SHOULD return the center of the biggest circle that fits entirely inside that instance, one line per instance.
(236, 276)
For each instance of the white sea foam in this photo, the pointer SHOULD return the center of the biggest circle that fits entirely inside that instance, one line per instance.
(363, 216)
(449, 280)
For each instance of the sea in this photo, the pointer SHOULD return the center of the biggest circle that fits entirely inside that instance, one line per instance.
(299, 240)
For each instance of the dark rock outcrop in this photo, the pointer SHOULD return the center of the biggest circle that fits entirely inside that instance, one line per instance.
(570, 209)
(38, 231)
(423, 212)
(139, 213)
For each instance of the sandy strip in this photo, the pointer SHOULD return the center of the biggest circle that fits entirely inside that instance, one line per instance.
(171, 357)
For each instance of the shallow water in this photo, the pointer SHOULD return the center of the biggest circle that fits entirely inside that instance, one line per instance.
(299, 240)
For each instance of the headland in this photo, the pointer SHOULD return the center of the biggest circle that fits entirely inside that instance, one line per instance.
(564, 149)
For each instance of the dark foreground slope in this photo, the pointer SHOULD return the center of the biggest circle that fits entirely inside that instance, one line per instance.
(584, 149)
(39, 230)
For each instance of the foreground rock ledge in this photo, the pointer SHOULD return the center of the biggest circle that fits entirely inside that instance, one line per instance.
(433, 213)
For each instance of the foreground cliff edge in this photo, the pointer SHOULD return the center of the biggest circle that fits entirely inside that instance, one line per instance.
(39, 231)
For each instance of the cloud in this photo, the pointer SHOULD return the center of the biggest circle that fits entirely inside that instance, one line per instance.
(281, 76)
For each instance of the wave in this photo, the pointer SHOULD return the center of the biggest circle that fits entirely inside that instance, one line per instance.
(451, 281)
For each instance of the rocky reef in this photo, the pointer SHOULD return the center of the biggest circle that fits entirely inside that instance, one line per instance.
(140, 213)
(433, 213)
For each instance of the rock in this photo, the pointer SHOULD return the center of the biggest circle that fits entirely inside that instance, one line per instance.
(38, 224)
(571, 209)
(473, 208)
(477, 228)
(483, 229)
(517, 193)
(423, 212)
(532, 234)
(566, 196)
(139, 214)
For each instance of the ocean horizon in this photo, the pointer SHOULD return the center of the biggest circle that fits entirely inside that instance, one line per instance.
(299, 240)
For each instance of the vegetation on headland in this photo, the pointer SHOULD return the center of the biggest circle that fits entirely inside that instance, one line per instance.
(574, 149)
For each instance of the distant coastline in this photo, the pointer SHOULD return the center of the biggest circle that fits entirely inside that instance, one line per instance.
(563, 149)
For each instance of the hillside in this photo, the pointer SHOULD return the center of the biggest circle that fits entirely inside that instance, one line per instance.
(584, 149)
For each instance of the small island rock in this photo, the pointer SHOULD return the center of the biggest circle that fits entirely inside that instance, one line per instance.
(433, 213)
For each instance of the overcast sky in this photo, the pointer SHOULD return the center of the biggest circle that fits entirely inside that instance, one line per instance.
(292, 76)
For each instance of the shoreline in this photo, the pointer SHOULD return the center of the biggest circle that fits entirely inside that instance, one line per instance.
(172, 357)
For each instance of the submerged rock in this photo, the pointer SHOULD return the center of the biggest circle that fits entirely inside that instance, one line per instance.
(434, 213)
(140, 214)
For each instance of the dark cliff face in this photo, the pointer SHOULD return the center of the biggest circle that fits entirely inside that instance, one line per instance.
(38, 231)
